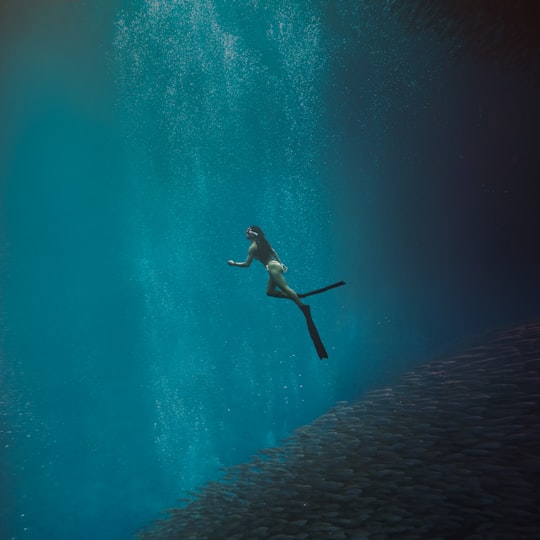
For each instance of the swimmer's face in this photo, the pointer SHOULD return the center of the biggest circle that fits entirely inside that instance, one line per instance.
(251, 234)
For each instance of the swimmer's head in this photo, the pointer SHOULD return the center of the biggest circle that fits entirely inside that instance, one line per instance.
(254, 232)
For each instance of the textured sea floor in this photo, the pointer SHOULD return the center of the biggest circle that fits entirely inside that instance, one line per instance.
(451, 451)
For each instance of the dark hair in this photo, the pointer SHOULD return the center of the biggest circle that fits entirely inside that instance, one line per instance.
(264, 250)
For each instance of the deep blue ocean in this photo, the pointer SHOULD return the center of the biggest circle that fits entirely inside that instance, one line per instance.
(139, 139)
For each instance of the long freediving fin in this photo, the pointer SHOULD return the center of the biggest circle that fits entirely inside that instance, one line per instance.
(324, 289)
(313, 332)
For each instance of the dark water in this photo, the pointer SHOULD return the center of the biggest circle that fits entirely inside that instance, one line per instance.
(139, 140)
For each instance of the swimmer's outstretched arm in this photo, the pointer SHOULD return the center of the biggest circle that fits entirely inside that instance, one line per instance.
(247, 262)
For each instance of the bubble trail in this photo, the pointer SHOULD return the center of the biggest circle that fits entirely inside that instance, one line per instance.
(451, 451)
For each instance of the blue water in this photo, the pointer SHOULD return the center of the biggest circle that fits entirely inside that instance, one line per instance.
(139, 140)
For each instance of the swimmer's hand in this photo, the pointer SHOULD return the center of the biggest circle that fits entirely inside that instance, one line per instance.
(231, 263)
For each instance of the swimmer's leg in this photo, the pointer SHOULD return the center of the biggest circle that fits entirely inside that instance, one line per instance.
(272, 291)
(277, 280)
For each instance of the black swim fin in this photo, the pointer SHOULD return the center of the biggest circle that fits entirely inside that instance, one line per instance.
(319, 346)
(324, 289)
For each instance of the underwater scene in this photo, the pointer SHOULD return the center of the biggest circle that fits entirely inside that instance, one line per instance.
(152, 386)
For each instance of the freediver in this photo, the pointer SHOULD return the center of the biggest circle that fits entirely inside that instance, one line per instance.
(261, 250)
